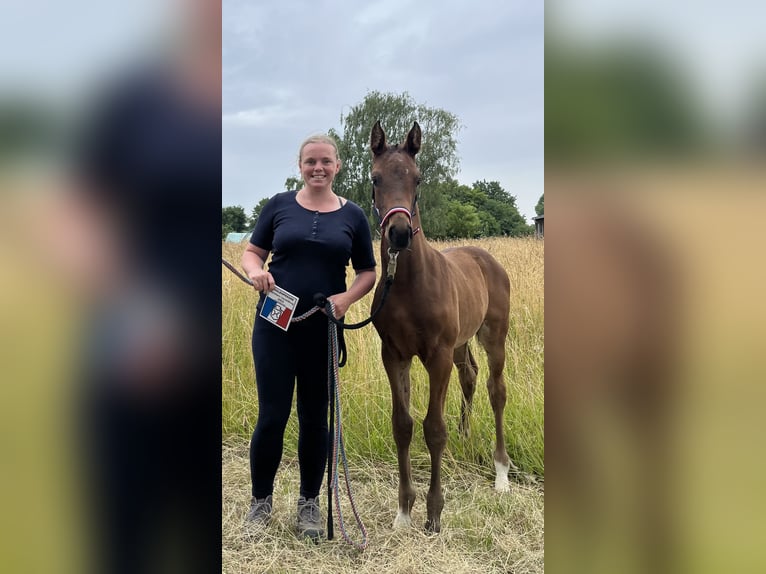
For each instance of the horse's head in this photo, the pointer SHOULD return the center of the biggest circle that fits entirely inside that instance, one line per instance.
(395, 179)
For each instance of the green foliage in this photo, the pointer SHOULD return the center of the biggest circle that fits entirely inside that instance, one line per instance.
(489, 225)
(540, 207)
(437, 160)
(293, 183)
(256, 212)
(754, 115)
(463, 220)
(625, 102)
(494, 191)
(435, 221)
(483, 210)
(233, 219)
(28, 129)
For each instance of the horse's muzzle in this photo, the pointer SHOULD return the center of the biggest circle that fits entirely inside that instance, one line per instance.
(400, 236)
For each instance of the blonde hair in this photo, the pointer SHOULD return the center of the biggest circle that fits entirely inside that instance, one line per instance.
(319, 138)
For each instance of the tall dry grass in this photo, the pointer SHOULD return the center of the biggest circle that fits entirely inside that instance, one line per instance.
(502, 534)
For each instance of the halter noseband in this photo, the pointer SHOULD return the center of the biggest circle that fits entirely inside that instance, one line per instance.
(398, 209)
(394, 210)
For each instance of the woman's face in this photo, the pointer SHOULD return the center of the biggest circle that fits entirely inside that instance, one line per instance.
(319, 164)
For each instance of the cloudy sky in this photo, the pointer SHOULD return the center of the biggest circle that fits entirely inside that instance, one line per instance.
(291, 69)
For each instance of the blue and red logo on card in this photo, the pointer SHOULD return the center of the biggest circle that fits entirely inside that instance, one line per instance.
(278, 307)
(276, 312)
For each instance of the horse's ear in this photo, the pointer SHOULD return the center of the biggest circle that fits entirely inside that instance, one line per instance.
(377, 139)
(412, 143)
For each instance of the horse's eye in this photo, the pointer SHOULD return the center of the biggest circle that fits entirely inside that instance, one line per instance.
(417, 180)
(375, 180)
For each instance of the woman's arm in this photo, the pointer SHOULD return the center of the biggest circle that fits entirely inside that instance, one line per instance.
(253, 260)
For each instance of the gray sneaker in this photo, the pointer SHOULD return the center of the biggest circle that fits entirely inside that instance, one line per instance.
(309, 519)
(260, 511)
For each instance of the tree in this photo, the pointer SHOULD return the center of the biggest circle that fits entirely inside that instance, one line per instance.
(540, 207)
(293, 183)
(463, 220)
(627, 101)
(753, 121)
(494, 207)
(437, 160)
(497, 215)
(493, 190)
(27, 129)
(489, 226)
(257, 212)
(233, 219)
(437, 222)
(511, 222)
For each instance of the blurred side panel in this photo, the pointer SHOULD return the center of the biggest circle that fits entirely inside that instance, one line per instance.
(655, 322)
(109, 286)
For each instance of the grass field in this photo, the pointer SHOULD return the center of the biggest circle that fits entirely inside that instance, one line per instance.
(481, 530)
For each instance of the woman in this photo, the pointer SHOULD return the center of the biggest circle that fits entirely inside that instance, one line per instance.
(312, 234)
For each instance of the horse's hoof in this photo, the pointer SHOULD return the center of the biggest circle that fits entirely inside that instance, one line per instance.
(433, 526)
(501, 477)
(402, 520)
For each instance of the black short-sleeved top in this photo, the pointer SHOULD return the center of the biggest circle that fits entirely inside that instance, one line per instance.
(311, 249)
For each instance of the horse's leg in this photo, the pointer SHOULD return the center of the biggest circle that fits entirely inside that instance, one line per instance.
(398, 371)
(439, 367)
(492, 338)
(466, 370)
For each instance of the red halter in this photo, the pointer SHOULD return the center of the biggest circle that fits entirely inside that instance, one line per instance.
(394, 210)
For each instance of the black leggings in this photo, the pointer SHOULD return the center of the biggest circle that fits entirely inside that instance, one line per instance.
(282, 359)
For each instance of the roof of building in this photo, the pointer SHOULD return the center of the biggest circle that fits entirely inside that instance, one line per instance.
(235, 237)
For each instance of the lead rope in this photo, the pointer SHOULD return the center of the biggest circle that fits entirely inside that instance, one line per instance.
(234, 270)
(321, 301)
(338, 448)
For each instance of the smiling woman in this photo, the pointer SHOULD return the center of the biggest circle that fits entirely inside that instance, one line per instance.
(319, 164)
(311, 235)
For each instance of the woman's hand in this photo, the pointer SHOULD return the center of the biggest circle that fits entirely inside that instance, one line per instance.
(363, 282)
(252, 262)
(341, 302)
(262, 280)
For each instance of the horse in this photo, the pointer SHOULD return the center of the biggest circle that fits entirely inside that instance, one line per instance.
(437, 302)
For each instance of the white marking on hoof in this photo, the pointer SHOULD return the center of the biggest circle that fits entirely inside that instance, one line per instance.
(501, 477)
(402, 520)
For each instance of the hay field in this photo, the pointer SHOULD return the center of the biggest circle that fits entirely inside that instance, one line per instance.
(481, 530)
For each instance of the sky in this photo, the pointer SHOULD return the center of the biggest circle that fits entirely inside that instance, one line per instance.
(290, 69)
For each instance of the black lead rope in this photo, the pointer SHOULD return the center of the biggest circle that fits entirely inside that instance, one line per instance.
(321, 301)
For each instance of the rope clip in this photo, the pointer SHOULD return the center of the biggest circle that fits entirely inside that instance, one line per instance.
(391, 270)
